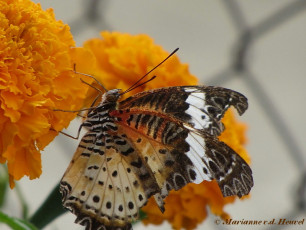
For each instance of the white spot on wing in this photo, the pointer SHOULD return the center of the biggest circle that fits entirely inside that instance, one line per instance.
(196, 99)
(189, 90)
(196, 102)
(196, 142)
(196, 152)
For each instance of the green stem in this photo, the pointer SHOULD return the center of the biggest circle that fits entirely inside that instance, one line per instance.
(49, 210)
(3, 183)
(24, 205)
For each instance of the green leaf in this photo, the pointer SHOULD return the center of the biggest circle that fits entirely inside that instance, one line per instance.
(142, 215)
(16, 223)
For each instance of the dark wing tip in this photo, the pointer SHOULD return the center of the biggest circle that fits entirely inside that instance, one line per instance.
(93, 224)
(234, 98)
(239, 101)
(233, 174)
(239, 182)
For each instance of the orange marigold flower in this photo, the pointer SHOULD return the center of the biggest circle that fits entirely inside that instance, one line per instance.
(121, 60)
(35, 78)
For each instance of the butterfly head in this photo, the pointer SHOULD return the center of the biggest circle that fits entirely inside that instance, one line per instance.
(111, 96)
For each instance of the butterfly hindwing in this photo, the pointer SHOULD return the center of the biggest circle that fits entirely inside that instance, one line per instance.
(100, 187)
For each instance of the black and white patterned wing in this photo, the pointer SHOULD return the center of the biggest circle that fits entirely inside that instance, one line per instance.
(202, 107)
(184, 123)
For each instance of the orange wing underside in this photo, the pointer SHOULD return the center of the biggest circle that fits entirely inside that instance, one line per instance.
(152, 152)
(161, 144)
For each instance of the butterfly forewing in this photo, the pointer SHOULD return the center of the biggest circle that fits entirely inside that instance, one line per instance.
(199, 106)
(147, 145)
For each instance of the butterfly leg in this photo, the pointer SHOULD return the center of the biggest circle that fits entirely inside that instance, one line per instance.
(68, 135)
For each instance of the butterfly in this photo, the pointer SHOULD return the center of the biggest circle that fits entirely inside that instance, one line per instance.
(147, 145)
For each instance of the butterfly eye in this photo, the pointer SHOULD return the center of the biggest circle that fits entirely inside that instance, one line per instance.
(112, 98)
(112, 95)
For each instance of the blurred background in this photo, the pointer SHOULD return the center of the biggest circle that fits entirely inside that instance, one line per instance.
(255, 47)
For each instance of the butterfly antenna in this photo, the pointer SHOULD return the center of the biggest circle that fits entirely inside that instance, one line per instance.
(74, 70)
(135, 84)
(130, 89)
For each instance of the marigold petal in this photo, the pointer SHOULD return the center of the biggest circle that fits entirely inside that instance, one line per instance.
(10, 130)
(122, 59)
(23, 161)
(196, 208)
(84, 60)
(177, 220)
(11, 100)
(12, 114)
(36, 77)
